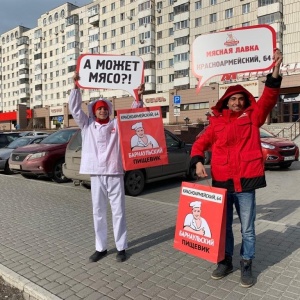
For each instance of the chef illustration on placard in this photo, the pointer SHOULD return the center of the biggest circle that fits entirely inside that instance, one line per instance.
(195, 223)
(142, 141)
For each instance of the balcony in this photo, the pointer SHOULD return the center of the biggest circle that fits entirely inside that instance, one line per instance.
(94, 20)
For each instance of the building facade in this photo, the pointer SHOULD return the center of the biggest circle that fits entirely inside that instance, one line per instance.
(37, 64)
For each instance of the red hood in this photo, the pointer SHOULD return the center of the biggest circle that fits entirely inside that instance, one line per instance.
(234, 89)
(34, 148)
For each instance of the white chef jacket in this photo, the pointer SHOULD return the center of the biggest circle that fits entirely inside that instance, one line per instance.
(101, 153)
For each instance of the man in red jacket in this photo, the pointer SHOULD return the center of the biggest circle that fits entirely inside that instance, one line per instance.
(237, 162)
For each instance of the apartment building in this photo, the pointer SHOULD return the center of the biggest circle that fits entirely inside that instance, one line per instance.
(37, 64)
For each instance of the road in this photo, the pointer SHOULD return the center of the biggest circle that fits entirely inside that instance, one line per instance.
(47, 237)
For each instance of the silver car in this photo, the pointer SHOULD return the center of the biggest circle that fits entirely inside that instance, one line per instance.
(19, 142)
(135, 180)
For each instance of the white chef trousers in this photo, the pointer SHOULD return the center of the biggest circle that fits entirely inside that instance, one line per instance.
(104, 188)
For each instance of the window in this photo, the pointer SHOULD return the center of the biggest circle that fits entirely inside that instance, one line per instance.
(122, 16)
(229, 13)
(245, 24)
(159, 35)
(266, 2)
(213, 2)
(171, 77)
(159, 20)
(132, 41)
(104, 23)
(113, 20)
(181, 57)
(159, 79)
(268, 19)
(171, 17)
(171, 62)
(113, 46)
(122, 44)
(198, 22)
(112, 6)
(213, 18)
(104, 9)
(171, 47)
(198, 5)
(122, 30)
(104, 48)
(159, 65)
(181, 25)
(171, 31)
(104, 36)
(113, 32)
(246, 8)
(159, 50)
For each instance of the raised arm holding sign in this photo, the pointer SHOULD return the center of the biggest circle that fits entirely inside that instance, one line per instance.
(101, 158)
(237, 164)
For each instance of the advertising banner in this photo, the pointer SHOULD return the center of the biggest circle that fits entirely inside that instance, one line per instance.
(142, 138)
(201, 221)
(102, 71)
(237, 50)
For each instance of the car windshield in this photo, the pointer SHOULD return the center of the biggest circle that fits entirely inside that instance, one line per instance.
(265, 133)
(59, 137)
(19, 143)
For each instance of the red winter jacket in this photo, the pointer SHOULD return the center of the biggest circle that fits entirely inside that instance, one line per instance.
(237, 163)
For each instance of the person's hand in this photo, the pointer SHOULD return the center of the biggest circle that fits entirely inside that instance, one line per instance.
(200, 170)
(277, 58)
(141, 89)
(76, 77)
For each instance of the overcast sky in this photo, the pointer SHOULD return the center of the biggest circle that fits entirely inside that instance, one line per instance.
(26, 12)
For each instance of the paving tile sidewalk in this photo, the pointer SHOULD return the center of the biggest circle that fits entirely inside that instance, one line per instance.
(47, 237)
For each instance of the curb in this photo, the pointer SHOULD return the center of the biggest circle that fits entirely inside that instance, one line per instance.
(30, 290)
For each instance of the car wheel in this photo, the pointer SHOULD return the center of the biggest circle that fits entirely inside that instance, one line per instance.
(28, 176)
(285, 166)
(134, 182)
(7, 170)
(57, 174)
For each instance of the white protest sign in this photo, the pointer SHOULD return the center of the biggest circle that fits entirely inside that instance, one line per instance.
(238, 50)
(100, 71)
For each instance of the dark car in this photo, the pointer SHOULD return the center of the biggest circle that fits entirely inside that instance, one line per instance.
(135, 180)
(44, 159)
(19, 142)
(7, 137)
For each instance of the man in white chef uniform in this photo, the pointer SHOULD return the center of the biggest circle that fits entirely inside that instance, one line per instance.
(101, 158)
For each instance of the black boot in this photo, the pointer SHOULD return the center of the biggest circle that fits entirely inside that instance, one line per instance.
(224, 268)
(246, 273)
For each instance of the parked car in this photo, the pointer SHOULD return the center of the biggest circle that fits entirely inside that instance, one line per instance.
(7, 137)
(19, 142)
(44, 159)
(278, 151)
(33, 133)
(135, 180)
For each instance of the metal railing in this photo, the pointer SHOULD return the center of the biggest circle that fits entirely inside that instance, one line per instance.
(292, 132)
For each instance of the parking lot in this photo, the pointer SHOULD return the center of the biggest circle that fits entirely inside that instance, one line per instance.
(47, 237)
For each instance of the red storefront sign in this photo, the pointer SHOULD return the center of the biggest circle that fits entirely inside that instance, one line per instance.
(12, 115)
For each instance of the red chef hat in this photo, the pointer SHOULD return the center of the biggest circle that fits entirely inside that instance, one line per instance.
(98, 104)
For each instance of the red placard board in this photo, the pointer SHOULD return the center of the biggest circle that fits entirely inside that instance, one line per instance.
(201, 221)
(142, 135)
